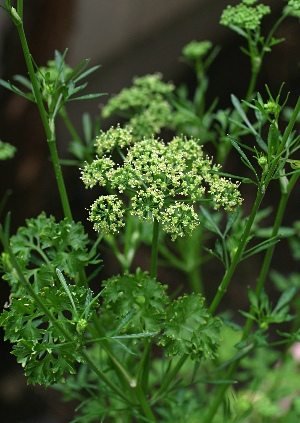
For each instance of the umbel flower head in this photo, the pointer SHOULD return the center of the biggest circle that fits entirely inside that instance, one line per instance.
(163, 181)
(144, 104)
(196, 49)
(245, 15)
(293, 8)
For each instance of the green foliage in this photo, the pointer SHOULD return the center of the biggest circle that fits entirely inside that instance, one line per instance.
(39, 345)
(189, 329)
(143, 295)
(140, 350)
(44, 245)
(272, 394)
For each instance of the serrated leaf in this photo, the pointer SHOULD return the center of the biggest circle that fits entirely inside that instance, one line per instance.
(139, 292)
(189, 329)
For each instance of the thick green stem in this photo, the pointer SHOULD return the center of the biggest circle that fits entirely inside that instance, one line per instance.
(143, 367)
(192, 259)
(154, 249)
(48, 126)
(144, 404)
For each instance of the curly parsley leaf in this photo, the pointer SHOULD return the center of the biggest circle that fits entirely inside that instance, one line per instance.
(139, 292)
(43, 245)
(46, 364)
(190, 329)
(43, 350)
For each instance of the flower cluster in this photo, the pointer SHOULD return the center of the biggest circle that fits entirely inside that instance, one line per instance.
(245, 15)
(294, 3)
(111, 139)
(271, 107)
(144, 104)
(7, 151)
(163, 181)
(107, 214)
(293, 8)
(195, 50)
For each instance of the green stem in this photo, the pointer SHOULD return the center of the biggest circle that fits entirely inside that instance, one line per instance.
(119, 369)
(143, 367)
(48, 125)
(289, 128)
(260, 194)
(268, 256)
(260, 284)
(238, 255)
(269, 253)
(195, 280)
(220, 394)
(168, 379)
(192, 259)
(144, 404)
(125, 379)
(20, 8)
(69, 125)
(154, 249)
(278, 220)
(256, 62)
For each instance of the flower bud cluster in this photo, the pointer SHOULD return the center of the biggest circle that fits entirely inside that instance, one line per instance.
(144, 104)
(245, 15)
(107, 214)
(293, 8)
(163, 181)
(195, 50)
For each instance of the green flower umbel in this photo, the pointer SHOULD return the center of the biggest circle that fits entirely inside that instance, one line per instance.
(163, 182)
(245, 15)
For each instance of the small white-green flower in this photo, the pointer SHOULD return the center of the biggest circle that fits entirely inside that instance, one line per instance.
(224, 193)
(113, 138)
(107, 213)
(179, 219)
(97, 172)
(154, 175)
(147, 204)
(144, 104)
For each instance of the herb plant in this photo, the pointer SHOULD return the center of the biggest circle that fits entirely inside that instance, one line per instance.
(133, 349)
